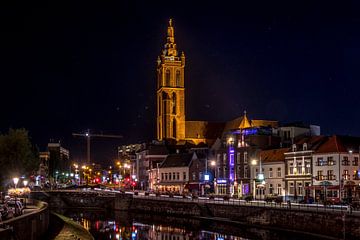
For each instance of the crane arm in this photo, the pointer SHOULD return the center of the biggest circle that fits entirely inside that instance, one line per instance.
(105, 135)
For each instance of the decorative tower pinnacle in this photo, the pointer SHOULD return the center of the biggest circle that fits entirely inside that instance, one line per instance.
(170, 46)
(245, 123)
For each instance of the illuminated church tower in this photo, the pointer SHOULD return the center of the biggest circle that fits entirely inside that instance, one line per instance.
(170, 91)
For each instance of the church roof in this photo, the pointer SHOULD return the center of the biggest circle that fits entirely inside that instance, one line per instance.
(203, 129)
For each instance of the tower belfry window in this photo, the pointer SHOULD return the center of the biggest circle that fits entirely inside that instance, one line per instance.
(174, 103)
(177, 78)
(174, 128)
(167, 78)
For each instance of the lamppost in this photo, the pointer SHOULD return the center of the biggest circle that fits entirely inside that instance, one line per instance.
(25, 182)
(213, 165)
(259, 177)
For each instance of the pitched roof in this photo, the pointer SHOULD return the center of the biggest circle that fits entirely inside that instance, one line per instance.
(177, 160)
(203, 129)
(313, 142)
(273, 155)
(340, 144)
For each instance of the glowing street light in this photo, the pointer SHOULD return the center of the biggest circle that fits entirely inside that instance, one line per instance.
(15, 180)
(25, 182)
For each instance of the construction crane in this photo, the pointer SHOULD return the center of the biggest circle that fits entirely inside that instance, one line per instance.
(88, 136)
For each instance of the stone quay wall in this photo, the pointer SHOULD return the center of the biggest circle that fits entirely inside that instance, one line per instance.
(335, 225)
(29, 226)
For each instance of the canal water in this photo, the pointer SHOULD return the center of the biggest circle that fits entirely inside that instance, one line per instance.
(125, 225)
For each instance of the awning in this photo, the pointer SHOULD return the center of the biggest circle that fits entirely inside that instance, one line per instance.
(192, 186)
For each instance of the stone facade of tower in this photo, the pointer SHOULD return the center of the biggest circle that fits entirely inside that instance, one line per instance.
(170, 91)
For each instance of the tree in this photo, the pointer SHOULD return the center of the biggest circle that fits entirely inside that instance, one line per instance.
(17, 155)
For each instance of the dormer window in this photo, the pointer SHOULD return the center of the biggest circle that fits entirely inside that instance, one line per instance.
(304, 146)
(294, 147)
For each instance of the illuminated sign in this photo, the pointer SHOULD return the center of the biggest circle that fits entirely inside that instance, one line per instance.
(261, 176)
(206, 177)
(221, 181)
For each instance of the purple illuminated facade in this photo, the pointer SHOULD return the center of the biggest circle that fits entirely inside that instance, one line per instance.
(233, 158)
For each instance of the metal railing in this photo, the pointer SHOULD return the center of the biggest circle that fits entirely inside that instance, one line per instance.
(255, 203)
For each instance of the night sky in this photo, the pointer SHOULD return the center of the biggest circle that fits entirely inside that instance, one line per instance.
(67, 66)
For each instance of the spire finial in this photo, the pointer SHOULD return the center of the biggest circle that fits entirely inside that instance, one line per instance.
(170, 46)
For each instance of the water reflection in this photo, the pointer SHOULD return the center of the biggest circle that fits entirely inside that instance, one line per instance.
(124, 225)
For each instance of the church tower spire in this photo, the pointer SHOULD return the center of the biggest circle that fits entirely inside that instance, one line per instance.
(170, 90)
(170, 46)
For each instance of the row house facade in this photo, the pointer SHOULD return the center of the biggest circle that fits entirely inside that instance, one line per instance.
(336, 169)
(148, 159)
(181, 172)
(273, 170)
(241, 141)
(298, 167)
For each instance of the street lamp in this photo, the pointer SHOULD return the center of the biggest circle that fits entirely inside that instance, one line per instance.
(15, 180)
(25, 182)
(260, 176)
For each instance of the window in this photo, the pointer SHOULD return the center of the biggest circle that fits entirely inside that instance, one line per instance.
(279, 172)
(356, 161)
(162, 176)
(331, 161)
(271, 189)
(170, 176)
(178, 176)
(174, 103)
(319, 176)
(218, 158)
(238, 158)
(346, 175)
(330, 175)
(167, 78)
(345, 161)
(291, 188)
(294, 147)
(200, 176)
(174, 176)
(279, 189)
(174, 128)
(299, 188)
(224, 158)
(184, 176)
(320, 161)
(270, 172)
(177, 78)
(286, 135)
(193, 176)
(307, 167)
(166, 176)
(304, 146)
(291, 168)
(246, 172)
(245, 157)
